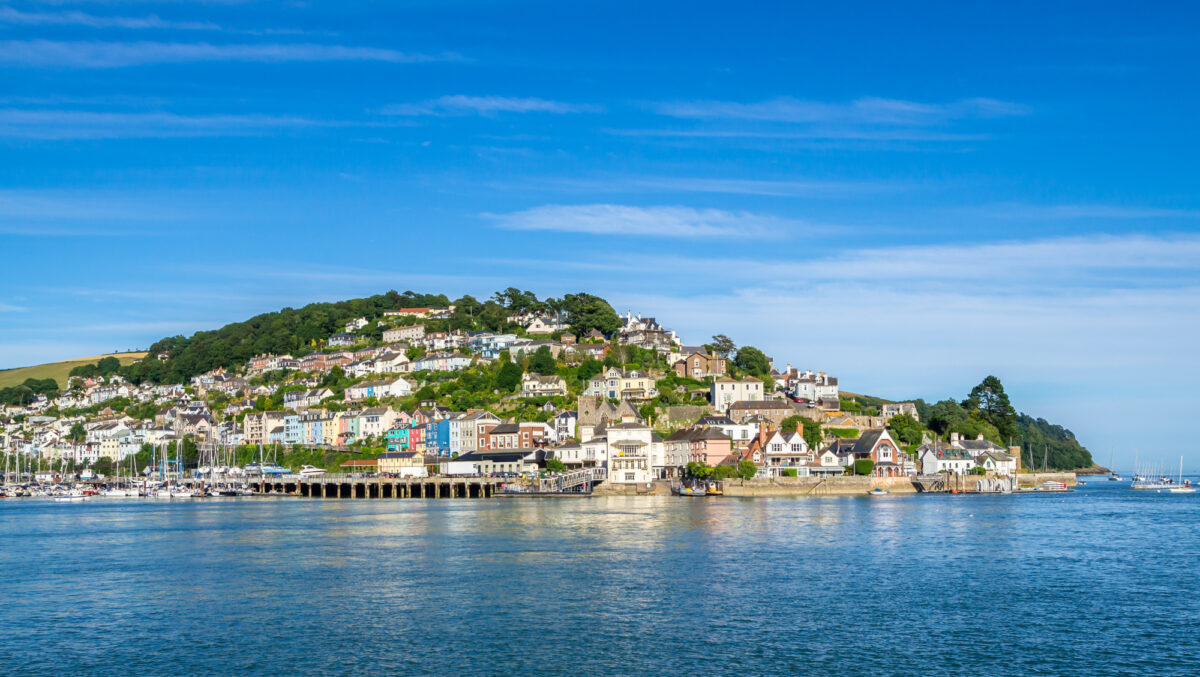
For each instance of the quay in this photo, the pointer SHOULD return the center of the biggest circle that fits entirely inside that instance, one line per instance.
(352, 486)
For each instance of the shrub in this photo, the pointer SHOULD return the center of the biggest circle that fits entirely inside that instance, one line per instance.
(789, 472)
(863, 466)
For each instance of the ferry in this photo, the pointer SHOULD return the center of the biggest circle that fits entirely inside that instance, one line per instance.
(680, 490)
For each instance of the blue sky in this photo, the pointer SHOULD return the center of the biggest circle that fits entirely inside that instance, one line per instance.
(910, 197)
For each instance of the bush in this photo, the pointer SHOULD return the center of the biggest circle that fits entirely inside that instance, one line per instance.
(863, 466)
(555, 465)
(789, 472)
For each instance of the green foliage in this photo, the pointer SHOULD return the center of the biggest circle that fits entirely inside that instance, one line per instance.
(746, 469)
(905, 429)
(542, 362)
(723, 472)
(77, 434)
(788, 472)
(991, 403)
(978, 470)
(863, 466)
(697, 470)
(555, 465)
(103, 466)
(289, 330)
(722, 345)
(586, 312)
(987, 411)
(812, 429)
(845, 433)
(753, 361)
(26, 392)
(508, 378)
(588, 368)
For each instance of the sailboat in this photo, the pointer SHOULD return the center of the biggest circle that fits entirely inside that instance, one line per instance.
(1112, 476)
(1182, 488)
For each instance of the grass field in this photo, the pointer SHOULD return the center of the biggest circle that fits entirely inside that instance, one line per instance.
(57, 370)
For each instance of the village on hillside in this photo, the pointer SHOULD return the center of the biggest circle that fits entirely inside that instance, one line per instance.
(416, 400)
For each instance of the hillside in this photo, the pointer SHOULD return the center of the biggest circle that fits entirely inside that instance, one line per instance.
(58, 370)
(985, 411)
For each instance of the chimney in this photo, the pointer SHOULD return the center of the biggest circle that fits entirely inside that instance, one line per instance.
(979, 437)
(953, 438)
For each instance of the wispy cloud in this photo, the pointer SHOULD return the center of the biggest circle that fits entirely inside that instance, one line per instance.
(1065, 212)
(871, 110)
(816, 188)
(9, 15)
(9, 308)
(49, 124)
(486, 105)
(610, 219)
(120, 54)
(868, 120)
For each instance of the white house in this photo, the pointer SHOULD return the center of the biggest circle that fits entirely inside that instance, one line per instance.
(725, 391)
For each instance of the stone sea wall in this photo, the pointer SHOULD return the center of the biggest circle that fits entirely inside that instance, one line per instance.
(812, 486)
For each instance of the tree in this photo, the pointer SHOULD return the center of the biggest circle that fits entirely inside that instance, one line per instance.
(753, 361)
(746, 469)
(542, 362)
(812, 429)
(586, 312)
(555, 465)
(103, 466)
(863, 466)
(906, 429)
(722, 345)
(989, 400)
(78, 433)
(509, 377)
(589, 368)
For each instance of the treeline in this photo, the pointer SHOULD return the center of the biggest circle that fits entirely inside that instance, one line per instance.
(987, 411)
(299, 330)
(105, 367)
(27, 391)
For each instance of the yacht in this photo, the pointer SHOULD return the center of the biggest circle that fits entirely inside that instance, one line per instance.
(311, 471)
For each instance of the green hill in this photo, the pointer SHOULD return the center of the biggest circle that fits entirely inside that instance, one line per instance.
(58, 370)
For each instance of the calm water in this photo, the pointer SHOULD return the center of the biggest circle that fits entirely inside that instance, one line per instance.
(1103, 581)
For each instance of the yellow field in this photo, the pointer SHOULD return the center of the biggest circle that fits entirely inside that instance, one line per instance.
(58, 370)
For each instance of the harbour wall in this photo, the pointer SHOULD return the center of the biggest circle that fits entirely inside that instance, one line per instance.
(814, 486)
(1035, 479)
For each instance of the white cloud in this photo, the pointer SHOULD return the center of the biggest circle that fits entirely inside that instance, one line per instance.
(9, 308)
(119, 54)
(871, 110)
(485, 105)
(75, 18)
(610, 219)
(51, 124)
(1063, 212)
(775, 188)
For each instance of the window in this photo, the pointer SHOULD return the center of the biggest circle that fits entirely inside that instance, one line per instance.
(630, 477)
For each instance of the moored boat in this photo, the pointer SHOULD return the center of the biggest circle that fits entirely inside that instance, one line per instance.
(878, 491)
(680, 490)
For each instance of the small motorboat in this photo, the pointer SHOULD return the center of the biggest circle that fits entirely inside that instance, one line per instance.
(311, 471)
(878, 491)
(680, 490)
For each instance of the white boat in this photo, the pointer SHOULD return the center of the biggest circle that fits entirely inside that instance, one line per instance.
(311, 471)
(1182, 487)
